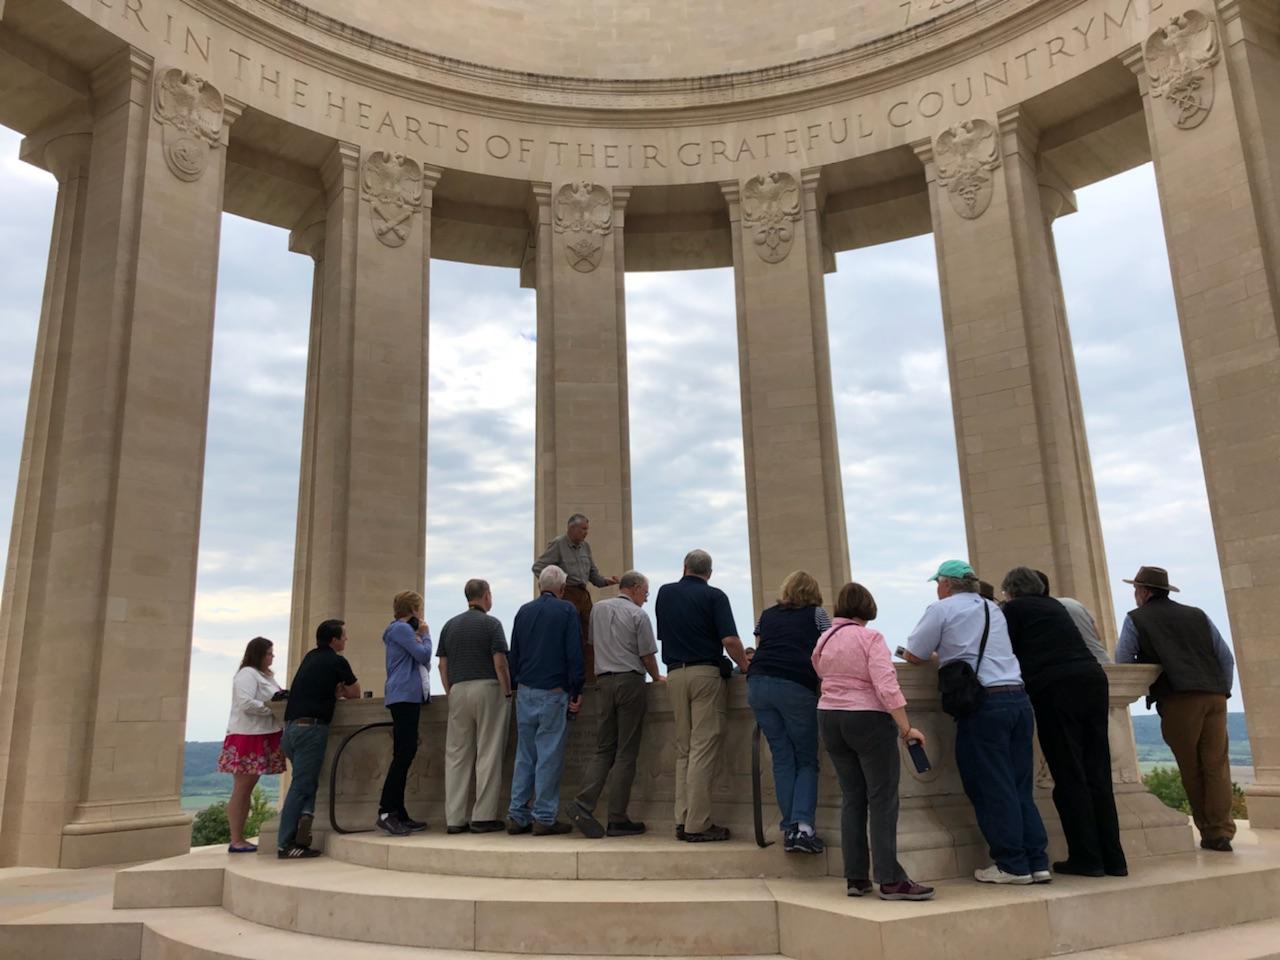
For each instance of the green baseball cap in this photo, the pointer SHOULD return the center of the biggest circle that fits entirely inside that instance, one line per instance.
(955, 569)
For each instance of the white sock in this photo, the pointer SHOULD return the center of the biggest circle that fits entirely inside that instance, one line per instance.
(806, 829)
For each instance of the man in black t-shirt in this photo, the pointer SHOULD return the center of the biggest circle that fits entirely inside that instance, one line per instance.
(323, 678)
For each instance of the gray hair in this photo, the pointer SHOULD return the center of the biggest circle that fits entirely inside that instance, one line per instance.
(698, 562)
(632, 578)
(577, 520)
(552, 578)
(1022, 582)
(962, 584)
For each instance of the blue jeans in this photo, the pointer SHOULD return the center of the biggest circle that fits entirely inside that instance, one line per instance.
(993, 754)
(542, 729)
(304, 748)
(788, 716)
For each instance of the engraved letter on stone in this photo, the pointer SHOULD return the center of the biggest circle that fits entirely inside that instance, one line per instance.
(770, 205)
(965, 155)
(585, 210)
(392, 184)
(190, 112)
(1180, 58)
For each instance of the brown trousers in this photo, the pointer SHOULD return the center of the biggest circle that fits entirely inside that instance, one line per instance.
(580, 597)
(1194, 725)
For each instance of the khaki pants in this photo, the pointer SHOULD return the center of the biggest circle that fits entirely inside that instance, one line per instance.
(1194, 725)
(475, 742)
(698, 700)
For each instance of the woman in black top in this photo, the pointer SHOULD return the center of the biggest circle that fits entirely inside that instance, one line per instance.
(1068, 690)
(782, 690)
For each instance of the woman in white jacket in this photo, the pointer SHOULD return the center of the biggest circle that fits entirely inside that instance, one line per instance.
(252, 745)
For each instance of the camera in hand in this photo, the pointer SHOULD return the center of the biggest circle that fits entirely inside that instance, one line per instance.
(918, 756)
(280, 695)
(414, 622)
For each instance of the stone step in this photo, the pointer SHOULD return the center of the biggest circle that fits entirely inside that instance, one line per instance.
(1259, 940)
(650, 857)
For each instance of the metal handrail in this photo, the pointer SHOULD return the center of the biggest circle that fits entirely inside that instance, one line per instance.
(757, 800)
(333, 777)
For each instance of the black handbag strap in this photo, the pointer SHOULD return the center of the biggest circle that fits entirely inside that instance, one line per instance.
(986, 630)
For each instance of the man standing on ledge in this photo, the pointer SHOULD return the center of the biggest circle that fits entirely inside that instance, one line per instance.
(1190, 696)
(572, 554)
(696, 629)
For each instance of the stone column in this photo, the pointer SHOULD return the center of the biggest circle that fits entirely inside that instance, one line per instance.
(1024, 469)
(583, 447)
(795, 502)
(1214, 170)
(99, 684)
(362, 501)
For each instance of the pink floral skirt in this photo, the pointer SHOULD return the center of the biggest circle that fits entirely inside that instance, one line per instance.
(254, 753)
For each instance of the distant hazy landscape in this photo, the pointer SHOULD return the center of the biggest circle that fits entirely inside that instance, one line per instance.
(203, 785)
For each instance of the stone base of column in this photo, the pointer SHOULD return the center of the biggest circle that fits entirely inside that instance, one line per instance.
(1264, 805)
(104, 842)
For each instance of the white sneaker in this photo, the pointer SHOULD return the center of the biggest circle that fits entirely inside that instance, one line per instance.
(993, 874)
(1041, 876)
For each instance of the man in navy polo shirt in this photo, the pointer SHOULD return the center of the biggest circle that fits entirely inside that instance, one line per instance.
(695, 631)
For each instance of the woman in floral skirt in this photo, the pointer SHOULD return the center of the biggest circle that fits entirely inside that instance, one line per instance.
(252, 744)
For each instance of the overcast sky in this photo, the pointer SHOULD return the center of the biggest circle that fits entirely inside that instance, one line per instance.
(896, 438)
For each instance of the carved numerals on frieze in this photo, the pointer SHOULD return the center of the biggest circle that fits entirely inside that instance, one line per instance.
(1180, 58)
(584, 211)
(190, 111)
(965, 155)
(392, 185)
(770, 209)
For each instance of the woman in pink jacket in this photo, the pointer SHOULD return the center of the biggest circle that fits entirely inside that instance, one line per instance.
(862, 713)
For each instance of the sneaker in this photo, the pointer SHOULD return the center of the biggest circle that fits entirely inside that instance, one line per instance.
(680, 834)
(905, 890)
(415, 826)
(390, 823)
(1041, 876)
(789, 836)
(302, 837)
(453, 830)
(515, 827)
(625, 828)
(486, 826)
(856, 888)
(1067, 868)
(808, 843)
(993, 874)
(584, 821)
(541, 829)
(709, 835)
(1219, 844)
(295, 852)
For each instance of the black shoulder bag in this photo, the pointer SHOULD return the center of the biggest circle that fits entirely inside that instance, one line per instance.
(958, 684)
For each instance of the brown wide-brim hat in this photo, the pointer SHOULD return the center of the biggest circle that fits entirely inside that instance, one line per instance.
(1154, 578)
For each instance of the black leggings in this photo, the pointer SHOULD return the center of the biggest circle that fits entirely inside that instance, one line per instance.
(404, 746)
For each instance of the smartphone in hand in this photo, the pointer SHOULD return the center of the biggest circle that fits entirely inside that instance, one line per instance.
(901, 653)
(918, 756)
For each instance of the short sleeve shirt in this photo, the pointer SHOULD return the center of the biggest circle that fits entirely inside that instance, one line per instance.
(953, 629)
(468, 642)
(693, 617)
(313, 692)
(621, 634)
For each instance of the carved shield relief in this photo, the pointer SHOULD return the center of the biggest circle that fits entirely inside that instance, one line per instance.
(770, 208)
(965, 155)
(190, 111)
(584, 211)
(1180, 58)
(392, 184)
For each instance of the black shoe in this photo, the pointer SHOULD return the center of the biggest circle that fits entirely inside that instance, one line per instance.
(465, 828)
(808, 843)
(584, 821)
(302, 837)
(295, 852)
(541, 829)
(1220, 844)
(680, 834)
(625, 828)
(1071, 869)
(1120, 870)
(514, 827)
(415, 826)
(709, 835)
(857, 888)
(486, 826)
(392, 824)
(789, 839)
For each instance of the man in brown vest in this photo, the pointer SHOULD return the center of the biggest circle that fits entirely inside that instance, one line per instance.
(1190, 695)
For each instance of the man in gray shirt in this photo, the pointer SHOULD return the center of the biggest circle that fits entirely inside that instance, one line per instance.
(473, 669)
(625, 650)
(572, 554)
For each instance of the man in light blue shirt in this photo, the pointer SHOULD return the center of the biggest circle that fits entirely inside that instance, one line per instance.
(993, 744)
(408, 644)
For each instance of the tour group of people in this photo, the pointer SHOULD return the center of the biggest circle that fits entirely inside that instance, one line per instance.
(1009, 671)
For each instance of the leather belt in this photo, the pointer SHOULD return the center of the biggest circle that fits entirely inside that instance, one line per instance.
(309, 722)
(1006, 688)
(692, 663)
(620, 673)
